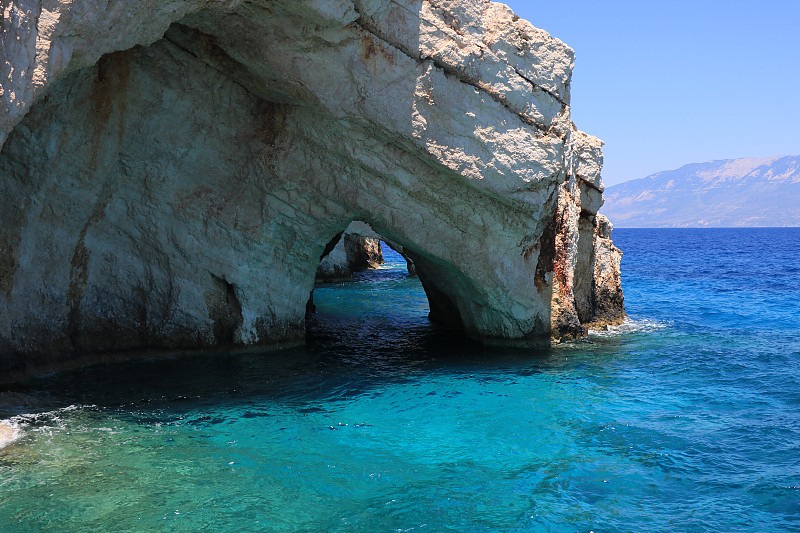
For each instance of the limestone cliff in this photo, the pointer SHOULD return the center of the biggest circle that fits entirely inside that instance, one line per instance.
(172, 171)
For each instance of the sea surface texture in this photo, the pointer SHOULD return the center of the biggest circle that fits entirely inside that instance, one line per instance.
(687, 418)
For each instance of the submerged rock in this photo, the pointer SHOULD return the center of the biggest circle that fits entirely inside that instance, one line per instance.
(172, 172)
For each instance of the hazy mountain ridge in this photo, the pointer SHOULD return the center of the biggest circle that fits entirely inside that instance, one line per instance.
(724, 193)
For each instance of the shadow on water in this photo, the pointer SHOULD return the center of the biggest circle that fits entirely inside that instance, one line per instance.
(370, 332)
(334, 363)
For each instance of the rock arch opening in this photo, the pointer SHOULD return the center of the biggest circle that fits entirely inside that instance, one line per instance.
(360, 248)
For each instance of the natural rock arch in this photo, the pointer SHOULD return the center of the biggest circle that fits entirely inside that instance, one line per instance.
(178, 193)
(443, 309)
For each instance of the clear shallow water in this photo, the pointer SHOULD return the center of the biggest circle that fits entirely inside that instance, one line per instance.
(687, 418)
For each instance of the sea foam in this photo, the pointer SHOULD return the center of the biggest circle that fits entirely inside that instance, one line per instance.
(10, 431)
(639, 325)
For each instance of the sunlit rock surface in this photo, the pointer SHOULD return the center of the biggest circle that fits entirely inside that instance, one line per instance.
(172, 172)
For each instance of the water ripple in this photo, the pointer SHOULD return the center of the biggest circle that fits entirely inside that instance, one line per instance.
(686, 417)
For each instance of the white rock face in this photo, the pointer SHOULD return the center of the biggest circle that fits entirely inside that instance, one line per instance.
(172, 171)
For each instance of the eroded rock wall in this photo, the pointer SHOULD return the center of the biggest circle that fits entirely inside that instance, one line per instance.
(178, 192)
(596, 284)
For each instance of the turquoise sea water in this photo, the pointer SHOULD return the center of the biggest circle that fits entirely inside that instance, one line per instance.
(687, 418)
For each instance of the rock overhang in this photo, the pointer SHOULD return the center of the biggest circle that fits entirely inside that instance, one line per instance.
(444, 124)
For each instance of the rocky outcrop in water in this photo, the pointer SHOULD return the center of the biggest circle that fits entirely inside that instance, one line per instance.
(363, 252)
(171, 172)
(358, 248)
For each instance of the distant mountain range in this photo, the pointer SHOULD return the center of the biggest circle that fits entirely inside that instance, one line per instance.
(727, 193)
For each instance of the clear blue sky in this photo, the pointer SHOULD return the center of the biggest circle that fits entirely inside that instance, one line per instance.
(669, 83)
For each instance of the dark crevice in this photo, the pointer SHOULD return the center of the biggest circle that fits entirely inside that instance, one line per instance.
(546, 256)
(590, 184)
(331, 245)
(225, 311)
(536, 87)
(546, 246)
(311, 308)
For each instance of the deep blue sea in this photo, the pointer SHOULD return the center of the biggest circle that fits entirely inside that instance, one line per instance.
(687, 418)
